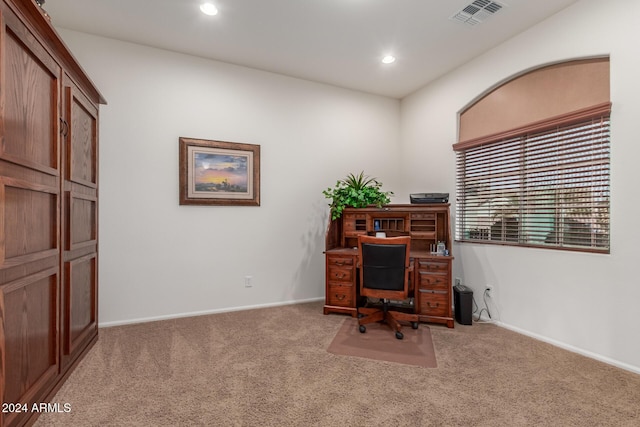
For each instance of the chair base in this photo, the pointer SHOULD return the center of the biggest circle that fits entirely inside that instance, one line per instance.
(382, 314)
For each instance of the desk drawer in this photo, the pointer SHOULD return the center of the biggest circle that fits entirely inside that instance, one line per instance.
(432, 281)
(336, 261)
(433, 303)
(338, 274)
(340, 295)
(433, 266)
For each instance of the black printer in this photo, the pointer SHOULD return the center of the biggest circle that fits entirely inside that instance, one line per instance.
(429, 197)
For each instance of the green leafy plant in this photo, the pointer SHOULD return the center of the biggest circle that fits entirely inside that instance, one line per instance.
(356, 191)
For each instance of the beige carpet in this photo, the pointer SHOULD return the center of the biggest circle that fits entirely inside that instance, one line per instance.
(380, 343)
(271, 367)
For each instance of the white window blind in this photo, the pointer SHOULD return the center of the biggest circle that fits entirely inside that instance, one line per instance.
(546, 189)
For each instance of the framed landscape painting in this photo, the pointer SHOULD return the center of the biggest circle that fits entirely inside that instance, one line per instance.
(219, 173)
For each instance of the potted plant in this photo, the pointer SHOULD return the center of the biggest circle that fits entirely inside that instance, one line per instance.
(356, 191)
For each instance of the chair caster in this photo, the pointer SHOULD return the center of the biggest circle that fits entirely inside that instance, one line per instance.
(362, 329)
(399, 335)
(414, 325)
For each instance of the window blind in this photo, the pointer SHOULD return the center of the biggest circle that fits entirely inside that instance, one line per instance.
(547, 188)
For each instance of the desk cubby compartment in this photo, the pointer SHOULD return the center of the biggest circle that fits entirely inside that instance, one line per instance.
(423, 224)
(428, 228)
(354, 224)
(388, 224)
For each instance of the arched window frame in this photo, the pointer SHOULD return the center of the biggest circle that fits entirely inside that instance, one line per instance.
(544, 183)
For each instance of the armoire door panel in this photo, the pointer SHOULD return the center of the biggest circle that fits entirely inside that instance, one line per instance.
(80, 300)
(29, 313)
(30, 94)
(82, 226)
(81, 139)
(28, 220)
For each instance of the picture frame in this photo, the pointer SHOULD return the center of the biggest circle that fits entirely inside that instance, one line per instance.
(219, 173)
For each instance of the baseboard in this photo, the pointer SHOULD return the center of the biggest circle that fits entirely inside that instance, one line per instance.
(205, 312)
(616, 363)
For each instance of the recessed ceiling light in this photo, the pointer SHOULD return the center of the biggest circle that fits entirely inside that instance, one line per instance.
(208, 9)
(389, 59)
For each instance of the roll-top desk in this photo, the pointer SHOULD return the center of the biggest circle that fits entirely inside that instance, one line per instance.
(426, 224)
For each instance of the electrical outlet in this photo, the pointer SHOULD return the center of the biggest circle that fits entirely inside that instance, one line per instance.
(458, 281)
(248, 281)
(488, 289)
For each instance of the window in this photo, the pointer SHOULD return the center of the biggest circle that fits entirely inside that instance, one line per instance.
(546, 185)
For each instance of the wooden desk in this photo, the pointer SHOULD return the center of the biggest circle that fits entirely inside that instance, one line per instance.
(431, 275)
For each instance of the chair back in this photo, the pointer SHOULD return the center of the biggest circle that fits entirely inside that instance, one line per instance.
(384, 266)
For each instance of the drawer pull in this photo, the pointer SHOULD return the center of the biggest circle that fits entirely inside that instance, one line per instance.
(339, 276)
(338, 263)
(433, 306)
(340, 297)
(432, 291)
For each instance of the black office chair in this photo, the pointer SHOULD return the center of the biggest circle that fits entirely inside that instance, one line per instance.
(384, 274)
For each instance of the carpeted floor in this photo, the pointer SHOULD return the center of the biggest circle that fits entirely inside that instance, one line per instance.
(271, 367)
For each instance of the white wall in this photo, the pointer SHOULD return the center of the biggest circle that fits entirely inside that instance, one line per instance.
(159, 259)
(585, 302)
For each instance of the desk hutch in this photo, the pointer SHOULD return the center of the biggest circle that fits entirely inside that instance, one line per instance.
(426, 224)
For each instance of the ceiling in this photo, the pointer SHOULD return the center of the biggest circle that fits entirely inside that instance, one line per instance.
(339, 42)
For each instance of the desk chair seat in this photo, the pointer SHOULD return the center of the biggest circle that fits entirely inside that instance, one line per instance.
(384, 274)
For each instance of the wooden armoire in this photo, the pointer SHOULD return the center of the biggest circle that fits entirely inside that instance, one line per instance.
(48, 211)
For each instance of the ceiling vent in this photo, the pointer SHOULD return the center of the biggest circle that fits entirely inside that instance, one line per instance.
(477, 12)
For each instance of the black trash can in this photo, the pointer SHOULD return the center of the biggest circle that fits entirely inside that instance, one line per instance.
(463, 302)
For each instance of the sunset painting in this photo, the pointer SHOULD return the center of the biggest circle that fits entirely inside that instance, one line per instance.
(220, 172)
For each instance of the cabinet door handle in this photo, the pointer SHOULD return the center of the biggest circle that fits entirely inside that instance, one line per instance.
(64, 127)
